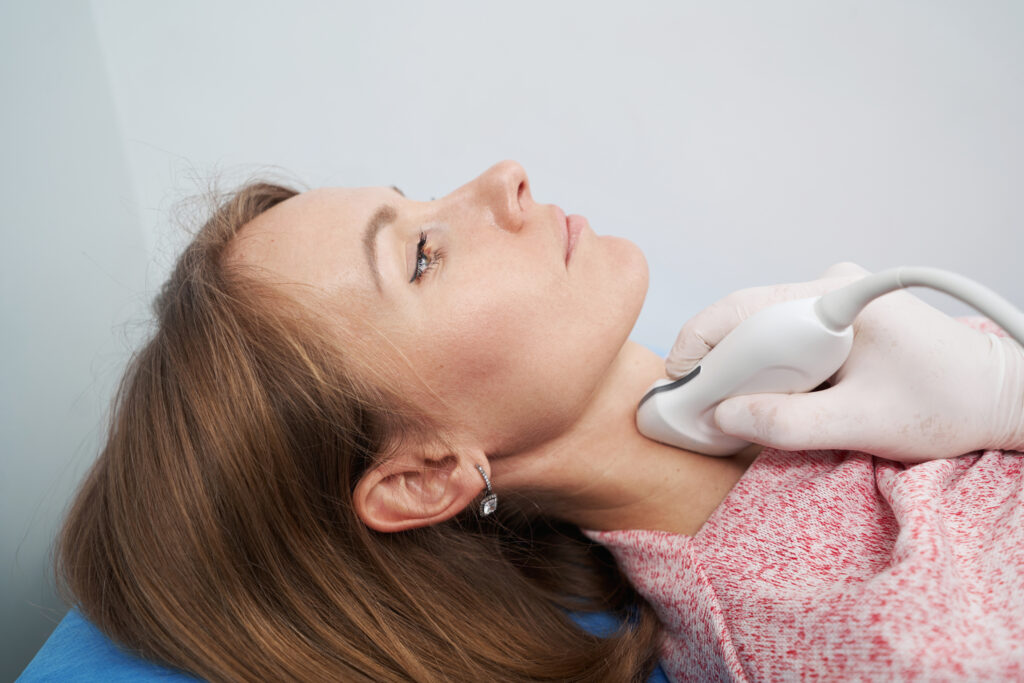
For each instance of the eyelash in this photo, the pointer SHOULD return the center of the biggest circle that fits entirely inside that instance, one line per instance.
(433, 259)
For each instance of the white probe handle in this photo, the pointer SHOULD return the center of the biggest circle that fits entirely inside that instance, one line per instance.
(781, 349)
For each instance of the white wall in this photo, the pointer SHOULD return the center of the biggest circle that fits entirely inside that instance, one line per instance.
(72, 273)
(738, 143)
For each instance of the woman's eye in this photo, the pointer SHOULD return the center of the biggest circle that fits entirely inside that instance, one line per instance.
(423, 262)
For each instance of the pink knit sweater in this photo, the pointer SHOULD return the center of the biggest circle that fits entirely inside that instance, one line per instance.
(837, 565)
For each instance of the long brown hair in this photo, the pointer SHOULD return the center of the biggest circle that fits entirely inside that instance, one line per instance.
(216, 531)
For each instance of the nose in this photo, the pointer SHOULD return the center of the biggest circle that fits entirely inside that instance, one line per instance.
(506, 191)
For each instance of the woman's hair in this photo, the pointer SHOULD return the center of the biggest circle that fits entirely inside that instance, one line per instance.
(216, 531)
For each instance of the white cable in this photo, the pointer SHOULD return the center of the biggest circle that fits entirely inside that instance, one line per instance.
(838, 308)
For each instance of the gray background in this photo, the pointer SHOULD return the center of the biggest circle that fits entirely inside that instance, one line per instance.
(738, 143)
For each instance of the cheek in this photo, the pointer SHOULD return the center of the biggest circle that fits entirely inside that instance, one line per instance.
(488, 336)
(516, 359)
(521, 356)
(500, 358)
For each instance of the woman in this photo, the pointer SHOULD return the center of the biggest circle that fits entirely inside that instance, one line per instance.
(290, 485)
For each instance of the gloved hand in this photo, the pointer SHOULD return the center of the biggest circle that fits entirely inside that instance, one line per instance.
(917, 385)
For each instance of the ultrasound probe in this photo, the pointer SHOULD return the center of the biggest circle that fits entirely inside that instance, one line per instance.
(791, 347)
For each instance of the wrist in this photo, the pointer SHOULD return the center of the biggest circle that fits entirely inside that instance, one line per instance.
(1008, 428)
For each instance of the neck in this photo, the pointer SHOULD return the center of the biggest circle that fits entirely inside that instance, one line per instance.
(602, 474)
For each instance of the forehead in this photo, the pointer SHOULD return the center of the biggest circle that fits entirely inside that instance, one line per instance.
(313, 239)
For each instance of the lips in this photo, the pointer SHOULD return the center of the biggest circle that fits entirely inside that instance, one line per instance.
(573, 228)
(571, 234)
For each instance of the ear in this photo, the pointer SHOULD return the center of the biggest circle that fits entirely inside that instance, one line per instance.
(413, 489)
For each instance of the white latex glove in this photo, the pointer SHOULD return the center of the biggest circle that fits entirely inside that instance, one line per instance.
(917, 385)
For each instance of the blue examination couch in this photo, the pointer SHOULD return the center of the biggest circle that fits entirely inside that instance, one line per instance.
(77, 652)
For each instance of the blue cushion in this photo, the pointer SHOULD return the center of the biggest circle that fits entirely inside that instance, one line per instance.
(76, 651)
(604, 624)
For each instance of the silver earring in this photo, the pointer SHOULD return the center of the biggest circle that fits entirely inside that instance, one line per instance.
(490, 502)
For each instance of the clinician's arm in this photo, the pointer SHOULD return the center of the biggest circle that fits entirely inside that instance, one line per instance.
(918, 385)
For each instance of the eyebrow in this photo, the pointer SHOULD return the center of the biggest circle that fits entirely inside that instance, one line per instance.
(384, 215)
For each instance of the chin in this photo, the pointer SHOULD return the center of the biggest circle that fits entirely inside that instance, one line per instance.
(631, 257)
(632, 279)
(635, 277)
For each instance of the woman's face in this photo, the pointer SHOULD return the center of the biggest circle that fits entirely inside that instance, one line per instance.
(466, 304)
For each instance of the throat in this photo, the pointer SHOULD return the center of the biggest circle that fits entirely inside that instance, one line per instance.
(602, 474)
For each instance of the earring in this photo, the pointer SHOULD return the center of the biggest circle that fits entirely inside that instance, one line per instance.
(490, 502)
